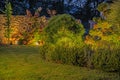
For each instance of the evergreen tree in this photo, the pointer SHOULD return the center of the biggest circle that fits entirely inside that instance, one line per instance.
(8, 13)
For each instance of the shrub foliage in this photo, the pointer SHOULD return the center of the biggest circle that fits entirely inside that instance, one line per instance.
(64, 44)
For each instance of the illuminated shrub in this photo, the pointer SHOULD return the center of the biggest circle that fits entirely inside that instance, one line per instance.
(63, 26)
(64, 41)
(107, 57)
(66, 53)
(74, 54)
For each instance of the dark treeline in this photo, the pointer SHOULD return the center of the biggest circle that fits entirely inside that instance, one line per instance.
(80, 9)
(87, 11)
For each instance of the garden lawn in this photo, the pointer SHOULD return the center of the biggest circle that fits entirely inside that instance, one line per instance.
(24, 63)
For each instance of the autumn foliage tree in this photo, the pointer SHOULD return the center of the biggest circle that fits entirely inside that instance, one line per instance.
(104, 39)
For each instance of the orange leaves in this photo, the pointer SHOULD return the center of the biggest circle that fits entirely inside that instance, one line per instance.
(88, 40)
(22, 28)
(41, 42)
(95, 26)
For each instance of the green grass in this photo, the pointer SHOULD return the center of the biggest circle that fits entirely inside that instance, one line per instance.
(24, 63)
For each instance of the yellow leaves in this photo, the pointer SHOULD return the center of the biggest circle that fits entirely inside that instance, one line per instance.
(119, 37)
(105, 25)
(102, 32)
(43, 19)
